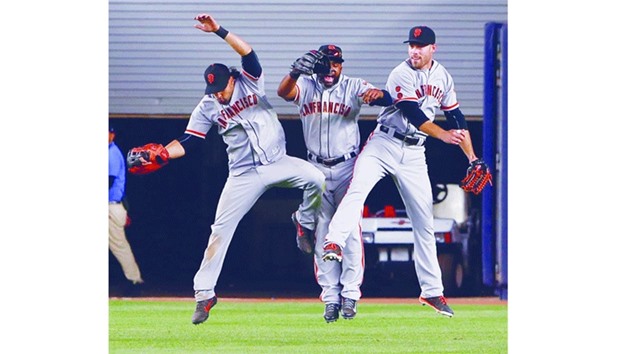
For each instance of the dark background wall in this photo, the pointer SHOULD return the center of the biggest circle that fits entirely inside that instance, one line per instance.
(171, 212)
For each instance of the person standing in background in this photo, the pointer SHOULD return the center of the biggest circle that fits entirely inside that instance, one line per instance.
(117, 214)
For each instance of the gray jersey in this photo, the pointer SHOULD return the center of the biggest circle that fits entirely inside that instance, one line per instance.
(329, 116)
(431, 89)
(385, 154)
(248, 125)
(257, 162)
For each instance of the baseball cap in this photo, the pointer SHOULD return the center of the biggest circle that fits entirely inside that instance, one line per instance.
(111, 129)
(421, 35)
(216, 77)
(333, 52)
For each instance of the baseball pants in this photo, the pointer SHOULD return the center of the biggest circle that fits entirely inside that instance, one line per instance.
(337, 278)
(381, 156)
(240, 193)
(119, 246)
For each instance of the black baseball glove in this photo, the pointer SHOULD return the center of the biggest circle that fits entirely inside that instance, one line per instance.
(313, 62)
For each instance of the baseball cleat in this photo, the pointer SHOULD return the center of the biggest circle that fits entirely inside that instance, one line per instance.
(349, 308)
(439, 304)
(331, 312)
(305, 237)
(332, 252)
(202, 310)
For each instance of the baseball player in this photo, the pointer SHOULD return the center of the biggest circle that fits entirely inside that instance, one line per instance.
(235, 103)
(419, 86)
(329, 106)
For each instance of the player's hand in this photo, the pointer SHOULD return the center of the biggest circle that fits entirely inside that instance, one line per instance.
(371, 95)
(453, 136)
(207, 23)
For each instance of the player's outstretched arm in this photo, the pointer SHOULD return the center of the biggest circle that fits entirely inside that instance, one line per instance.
(288, 87)
(208, 24)
(467, 146)
(414, 114)
(458, 137)
(175, 149)
(377, 97)
(151, 157)
(312, 62)
(452, 136)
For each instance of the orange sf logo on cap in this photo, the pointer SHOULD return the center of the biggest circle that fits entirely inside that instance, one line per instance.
(211, 78)
(417, 32)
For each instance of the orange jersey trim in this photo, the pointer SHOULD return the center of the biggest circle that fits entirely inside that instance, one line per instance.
(195, 133)
(414, 99)
(249, 76)
(450, 107)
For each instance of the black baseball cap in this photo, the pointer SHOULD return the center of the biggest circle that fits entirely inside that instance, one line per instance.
(333, 52)
(111, 129)
(216, 77)
(421, 35)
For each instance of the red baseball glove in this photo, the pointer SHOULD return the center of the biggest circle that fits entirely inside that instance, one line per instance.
(478, 175)
(146, 159)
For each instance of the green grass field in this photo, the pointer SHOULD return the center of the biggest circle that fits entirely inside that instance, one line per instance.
(142, 326)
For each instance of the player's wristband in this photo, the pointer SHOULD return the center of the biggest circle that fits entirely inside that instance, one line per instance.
(294, 75)
(221, 32)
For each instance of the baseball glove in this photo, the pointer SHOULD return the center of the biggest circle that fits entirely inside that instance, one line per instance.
(313, 62)
(146, 159)
(478, 175)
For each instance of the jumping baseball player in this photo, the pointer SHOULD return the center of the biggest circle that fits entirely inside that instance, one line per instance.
(419, 86)
(235, 103)
(329, 106)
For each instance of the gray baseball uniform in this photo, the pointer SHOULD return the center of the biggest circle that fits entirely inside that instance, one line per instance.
(395, 148)
(257, 161)
(329, 118)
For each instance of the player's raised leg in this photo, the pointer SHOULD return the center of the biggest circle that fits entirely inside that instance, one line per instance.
(370, 168)
(292, 172)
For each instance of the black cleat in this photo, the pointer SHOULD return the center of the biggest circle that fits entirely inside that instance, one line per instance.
(331, 312)
(439, 304)
(305, 237)
(202, 310)
(349, 308)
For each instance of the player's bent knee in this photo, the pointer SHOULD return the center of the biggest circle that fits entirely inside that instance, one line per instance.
(320, 179)
(317, 180)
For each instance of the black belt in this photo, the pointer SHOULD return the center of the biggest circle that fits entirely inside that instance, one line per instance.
(407, 139)
(332, 162)
(115, 202)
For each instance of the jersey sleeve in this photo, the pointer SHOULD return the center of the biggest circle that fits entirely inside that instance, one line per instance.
(449, 101)
(303, 84)
(251, 83)
(401, 86)
(202, 119)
